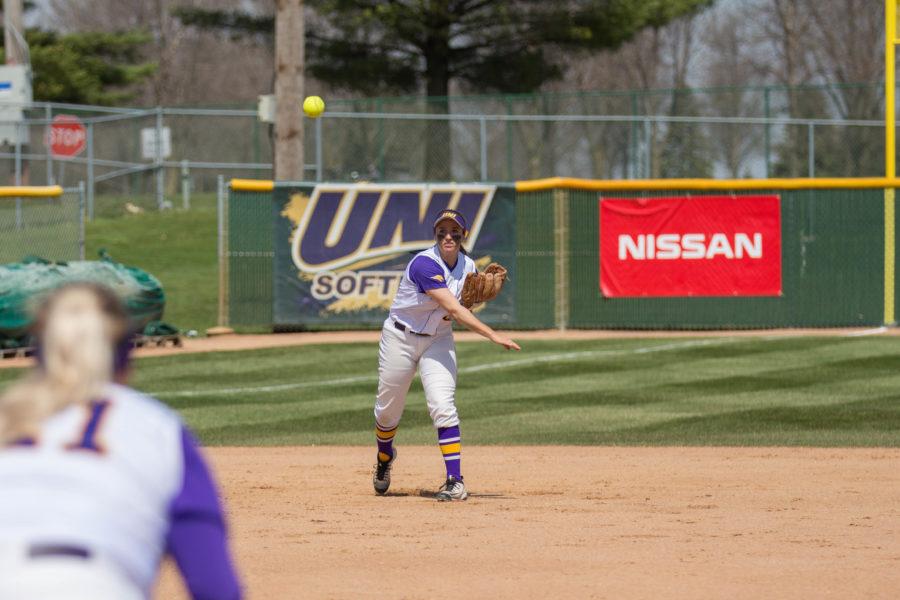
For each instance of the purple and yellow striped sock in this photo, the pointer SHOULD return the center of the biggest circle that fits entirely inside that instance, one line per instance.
(449, 440)
(385, 439)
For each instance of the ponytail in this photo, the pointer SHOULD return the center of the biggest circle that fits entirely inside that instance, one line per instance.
(78, 329)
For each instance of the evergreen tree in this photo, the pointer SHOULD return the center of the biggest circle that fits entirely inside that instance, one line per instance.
(87, 68)
(374, 47)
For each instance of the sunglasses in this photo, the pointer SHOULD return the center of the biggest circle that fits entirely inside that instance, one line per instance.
(456, 236)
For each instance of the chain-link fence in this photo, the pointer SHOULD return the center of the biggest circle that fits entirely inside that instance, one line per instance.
(45, 222)
(752, 132)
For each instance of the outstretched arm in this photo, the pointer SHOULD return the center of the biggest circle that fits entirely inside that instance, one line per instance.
(463, 315)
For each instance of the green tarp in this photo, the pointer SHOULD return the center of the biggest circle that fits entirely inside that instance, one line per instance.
(24, 284)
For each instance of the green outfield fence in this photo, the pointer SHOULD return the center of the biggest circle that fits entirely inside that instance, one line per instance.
(246, 253)
(838, 257)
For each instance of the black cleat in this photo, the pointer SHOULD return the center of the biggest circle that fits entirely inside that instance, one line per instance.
(382, 477)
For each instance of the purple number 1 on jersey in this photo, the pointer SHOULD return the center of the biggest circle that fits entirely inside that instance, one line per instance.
(88, 441)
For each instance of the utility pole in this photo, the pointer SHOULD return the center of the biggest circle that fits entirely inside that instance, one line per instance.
(289, 71)
(12, 24)
(15, 49)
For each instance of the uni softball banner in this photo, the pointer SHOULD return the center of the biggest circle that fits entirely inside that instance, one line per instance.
(341, 249)
(690, 246)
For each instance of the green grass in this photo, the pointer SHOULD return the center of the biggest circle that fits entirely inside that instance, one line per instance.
(176, 246)
(791, 391)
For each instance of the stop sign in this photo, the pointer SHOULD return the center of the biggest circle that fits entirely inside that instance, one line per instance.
(66, 137)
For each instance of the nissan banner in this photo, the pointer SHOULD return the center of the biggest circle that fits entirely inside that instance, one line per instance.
(690, 246)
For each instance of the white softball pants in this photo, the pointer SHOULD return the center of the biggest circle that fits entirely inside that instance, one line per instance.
(399, 355)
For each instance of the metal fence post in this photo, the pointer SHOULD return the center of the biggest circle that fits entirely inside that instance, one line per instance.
(482, 131)
(81, 240)
(19, 154)
(509, 141)
(160, 197)
(223, 261)
(767, 131)
(48, 114)
(90, 171)
(633, 145)
(811, 142)
(185, 184)
(379, 134)
(648, 166)
(318, 149)
(561, 257)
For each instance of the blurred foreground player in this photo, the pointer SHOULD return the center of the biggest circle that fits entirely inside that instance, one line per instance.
(98, 481)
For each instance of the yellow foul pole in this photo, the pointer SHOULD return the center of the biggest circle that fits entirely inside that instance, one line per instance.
(890, 42)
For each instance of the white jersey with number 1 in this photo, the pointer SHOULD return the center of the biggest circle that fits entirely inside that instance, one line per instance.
(105, 481)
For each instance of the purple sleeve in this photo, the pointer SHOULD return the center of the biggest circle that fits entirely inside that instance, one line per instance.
(197, 535)
(426, 274)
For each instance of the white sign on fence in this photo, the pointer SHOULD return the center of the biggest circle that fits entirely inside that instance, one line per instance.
(15, 94)
(149, 142)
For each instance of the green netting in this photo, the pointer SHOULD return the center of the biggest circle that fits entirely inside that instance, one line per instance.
(250, 255)
(535, 259)
(24, 284)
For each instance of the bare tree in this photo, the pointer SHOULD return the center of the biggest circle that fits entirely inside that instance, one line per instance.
(653, 70)
(849, 53)
(194, 66)
(727, 68)
(12, 30)
(827, 55)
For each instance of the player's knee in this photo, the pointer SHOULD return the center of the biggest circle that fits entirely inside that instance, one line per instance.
(445, 417)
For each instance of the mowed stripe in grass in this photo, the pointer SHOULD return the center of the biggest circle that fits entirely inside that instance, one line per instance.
(782, 391)
(811, 391)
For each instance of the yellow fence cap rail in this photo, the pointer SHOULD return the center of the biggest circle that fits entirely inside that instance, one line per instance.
(539, 185)
(38, 191)
(252, 185)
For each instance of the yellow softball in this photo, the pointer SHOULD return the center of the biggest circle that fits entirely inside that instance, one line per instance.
(313, 106)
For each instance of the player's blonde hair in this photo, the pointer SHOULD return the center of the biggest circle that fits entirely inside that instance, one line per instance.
(78, 328)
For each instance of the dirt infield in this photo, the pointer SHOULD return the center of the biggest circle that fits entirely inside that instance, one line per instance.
(558, 522)
(565, 522)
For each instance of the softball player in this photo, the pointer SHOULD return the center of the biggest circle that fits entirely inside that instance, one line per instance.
(418, 334)
(98, 481)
